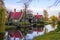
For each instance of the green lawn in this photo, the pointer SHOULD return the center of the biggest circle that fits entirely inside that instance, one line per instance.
(50, 36)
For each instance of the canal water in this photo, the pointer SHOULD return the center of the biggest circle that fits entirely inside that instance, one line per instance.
(35, 33)
(30, 36)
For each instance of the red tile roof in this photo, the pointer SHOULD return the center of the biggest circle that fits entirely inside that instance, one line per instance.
(36, 30)
(15, 15)
(38, 16)
(16, 34)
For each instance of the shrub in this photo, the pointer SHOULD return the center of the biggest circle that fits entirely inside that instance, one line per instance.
(58, 25)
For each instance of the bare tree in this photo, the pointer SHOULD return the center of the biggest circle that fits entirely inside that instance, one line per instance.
(26, 4)
(55, 3)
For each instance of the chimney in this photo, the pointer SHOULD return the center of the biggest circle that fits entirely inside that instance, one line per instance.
(37, 13)
(59, 15)
(21, 11)
(14, 10)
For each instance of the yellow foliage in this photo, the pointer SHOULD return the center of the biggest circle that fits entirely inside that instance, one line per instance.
(2, 19)
(53, 20)
(45, 15)
(53, 17)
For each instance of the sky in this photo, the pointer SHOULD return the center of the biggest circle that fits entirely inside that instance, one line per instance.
(35, 6)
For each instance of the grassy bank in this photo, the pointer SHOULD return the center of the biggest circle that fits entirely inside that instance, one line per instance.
(50, 36)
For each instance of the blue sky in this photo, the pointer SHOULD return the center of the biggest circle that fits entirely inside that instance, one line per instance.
(34, 3)
(35, 6)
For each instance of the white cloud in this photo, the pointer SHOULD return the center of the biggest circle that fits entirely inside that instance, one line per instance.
(12, 7)
(53, 11)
